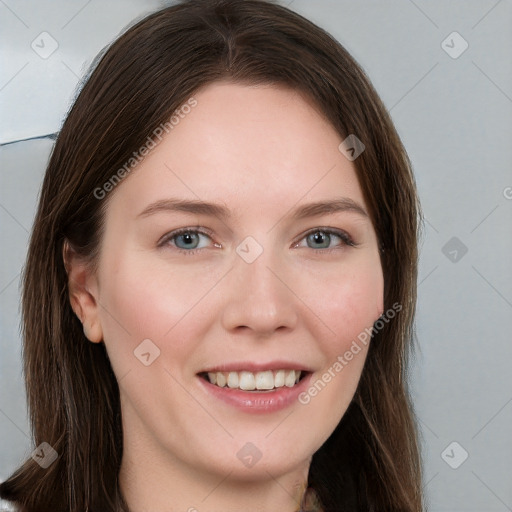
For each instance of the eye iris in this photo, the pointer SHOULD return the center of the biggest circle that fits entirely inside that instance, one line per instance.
(320, 237)
(189, 239)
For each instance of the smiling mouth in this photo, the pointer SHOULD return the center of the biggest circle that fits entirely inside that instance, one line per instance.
(265, 381)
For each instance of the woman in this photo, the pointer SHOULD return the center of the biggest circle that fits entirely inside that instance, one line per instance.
(220, 286)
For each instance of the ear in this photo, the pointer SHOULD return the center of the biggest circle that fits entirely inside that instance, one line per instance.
(83, 293)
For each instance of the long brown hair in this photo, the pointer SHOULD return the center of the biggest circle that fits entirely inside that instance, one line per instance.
(371, 461)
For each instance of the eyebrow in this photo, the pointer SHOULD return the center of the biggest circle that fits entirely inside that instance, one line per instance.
(342, 204)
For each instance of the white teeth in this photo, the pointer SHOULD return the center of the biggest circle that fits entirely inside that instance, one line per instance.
(265, 380)
(279, 379)
(249, 381)
(233, 380)
(221, 380)
(289, 380)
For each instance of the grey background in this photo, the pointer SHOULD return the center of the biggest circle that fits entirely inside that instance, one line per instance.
(454, 116)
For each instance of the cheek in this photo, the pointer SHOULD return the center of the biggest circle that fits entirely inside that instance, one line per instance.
(152, 301)
(347, 299)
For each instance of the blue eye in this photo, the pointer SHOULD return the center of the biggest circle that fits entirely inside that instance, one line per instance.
(321, 238)
(190, 240)
(187, 240)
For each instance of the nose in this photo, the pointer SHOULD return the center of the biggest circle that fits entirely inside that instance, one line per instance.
(259, 297)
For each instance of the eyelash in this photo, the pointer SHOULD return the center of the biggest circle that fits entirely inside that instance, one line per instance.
(345, 238)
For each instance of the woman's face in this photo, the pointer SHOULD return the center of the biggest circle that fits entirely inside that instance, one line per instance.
(262, 284)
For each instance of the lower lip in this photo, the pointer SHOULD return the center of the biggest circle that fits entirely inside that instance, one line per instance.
(258, 402)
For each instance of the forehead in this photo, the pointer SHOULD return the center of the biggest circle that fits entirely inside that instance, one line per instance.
(248, 146)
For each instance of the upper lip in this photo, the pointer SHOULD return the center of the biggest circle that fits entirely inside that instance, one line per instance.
(253, 367)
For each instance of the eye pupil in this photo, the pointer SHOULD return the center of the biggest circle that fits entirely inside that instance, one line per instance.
(188, 238)
(321, 238)
(315, 239)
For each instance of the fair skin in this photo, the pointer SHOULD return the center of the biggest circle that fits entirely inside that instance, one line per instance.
(260, 152)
